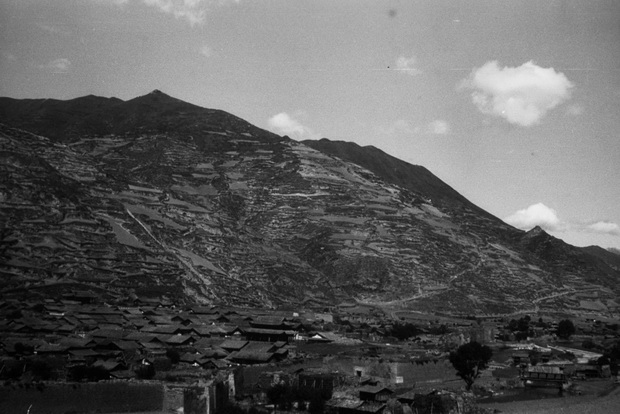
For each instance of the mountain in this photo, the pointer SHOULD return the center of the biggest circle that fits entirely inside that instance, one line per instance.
(156, 197)
(414, 178)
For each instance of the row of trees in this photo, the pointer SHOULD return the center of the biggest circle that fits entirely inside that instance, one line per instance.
(522, 327)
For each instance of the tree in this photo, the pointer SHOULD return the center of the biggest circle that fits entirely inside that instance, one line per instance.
(403, 331)
(470, 360)
(173, 355)
(565, 329)
(145, 371)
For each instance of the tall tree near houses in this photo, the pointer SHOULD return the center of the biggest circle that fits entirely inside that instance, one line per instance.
(470, 360)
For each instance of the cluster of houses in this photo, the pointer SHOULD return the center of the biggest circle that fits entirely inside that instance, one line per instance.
(121, 338)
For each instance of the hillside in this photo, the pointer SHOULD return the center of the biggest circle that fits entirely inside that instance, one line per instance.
(157, 197)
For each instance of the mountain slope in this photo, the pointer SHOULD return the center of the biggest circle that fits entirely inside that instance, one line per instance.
(154, 196)
(412, 177)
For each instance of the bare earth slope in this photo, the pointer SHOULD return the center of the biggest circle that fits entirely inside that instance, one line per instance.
(154, 196)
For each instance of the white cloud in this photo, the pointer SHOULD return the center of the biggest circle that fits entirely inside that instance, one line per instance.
(522, 95)
(439, 127)
(284, 123)
(61, 65)
(605, 227)
(535, 215)
(407, 65)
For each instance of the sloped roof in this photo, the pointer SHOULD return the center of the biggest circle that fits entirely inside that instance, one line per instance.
(232, 344)
(375, 389)
(179, 339)
(244, 355)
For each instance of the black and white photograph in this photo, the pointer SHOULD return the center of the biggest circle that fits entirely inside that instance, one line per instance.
(309, 206)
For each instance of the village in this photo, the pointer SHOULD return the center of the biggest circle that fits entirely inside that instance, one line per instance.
(153, 355)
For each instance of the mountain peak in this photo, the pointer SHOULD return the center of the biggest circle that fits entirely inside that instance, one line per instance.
(536, 231)
(157, 92)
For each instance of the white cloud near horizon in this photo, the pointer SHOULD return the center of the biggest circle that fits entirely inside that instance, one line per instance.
(604, 227)
(535, 215)
(521, 95)
(407, 66)
(61, 65)
(285, 124)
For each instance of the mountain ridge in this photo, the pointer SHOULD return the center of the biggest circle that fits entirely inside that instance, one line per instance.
(156, 197)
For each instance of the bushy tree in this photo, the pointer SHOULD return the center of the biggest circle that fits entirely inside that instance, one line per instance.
(565, 329)
(403, 330)
(173, 355)
(611, 357)
(470, 360)
(145, 371)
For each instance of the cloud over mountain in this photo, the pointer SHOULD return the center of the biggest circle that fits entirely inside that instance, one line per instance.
(535, 215)
(284, 123)
(521, 95)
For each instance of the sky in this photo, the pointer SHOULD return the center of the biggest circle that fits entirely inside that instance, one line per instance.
(515, 103)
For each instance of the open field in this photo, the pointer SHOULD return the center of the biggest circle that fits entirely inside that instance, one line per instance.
(600, 397)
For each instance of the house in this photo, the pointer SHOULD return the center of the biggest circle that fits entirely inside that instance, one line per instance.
(180, 340)
(375, 393)
(214, 364)
(233, 345)
(519, 358)
(190, 357)
(52, 349)
(269, 322)
(355, 406)
(84, 355)
(318, 337)
(268, 335)
(109, 365)
(203, 310)
(201, 331)
(172, 329)
(321, 381)
(108, 333)
(250, 357)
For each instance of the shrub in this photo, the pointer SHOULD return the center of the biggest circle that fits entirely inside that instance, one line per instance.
(145, 371)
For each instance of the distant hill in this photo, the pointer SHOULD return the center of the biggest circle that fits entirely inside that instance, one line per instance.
(156, 197)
